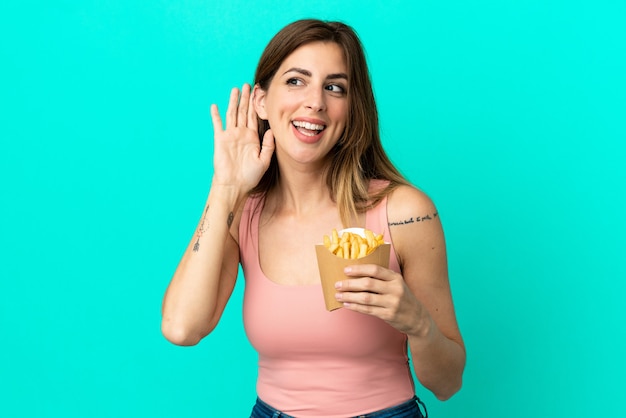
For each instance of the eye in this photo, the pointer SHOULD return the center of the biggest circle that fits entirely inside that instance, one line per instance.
(336, 88)
(295, 82)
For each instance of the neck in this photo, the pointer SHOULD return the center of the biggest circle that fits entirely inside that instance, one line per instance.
(300, 191)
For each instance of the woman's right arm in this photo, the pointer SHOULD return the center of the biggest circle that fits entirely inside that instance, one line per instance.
(205, 277)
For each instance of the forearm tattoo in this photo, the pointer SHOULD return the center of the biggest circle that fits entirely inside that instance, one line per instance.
(229, 221)
(411, 220)
(202, 228)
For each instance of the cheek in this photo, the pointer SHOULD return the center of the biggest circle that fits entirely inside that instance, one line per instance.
(341, 115)
(282, 101)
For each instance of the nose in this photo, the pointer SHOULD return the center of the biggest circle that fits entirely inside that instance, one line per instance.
(315, 100)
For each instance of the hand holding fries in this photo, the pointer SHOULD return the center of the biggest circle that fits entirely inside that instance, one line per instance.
(345, 248)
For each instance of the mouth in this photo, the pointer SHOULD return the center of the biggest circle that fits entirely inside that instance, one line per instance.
(307, 128)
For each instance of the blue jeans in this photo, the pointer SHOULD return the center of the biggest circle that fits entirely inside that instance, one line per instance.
(408, 409)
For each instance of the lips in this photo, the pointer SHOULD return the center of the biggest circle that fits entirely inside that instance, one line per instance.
(308, 128)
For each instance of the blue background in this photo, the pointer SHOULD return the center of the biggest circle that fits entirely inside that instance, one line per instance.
(510, 114)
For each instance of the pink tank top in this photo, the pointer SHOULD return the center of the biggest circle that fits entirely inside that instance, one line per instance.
(315, 363)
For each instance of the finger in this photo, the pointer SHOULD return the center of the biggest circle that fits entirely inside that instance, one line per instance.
(371, 270)
(267, 147)
(231, 112)
(252, 116)
(244, 101)
(362, 284)
(361, 299)
(216, 120)
(375, 311)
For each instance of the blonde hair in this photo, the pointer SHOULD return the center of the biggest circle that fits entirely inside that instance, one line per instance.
(359, 156)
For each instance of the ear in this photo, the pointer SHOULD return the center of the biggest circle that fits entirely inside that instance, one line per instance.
(258, 99)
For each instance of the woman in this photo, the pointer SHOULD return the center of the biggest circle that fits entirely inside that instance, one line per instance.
(300, 155)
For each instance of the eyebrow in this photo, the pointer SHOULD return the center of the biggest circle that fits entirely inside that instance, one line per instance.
(307, 73)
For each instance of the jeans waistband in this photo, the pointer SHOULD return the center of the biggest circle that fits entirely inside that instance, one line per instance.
(409, 409)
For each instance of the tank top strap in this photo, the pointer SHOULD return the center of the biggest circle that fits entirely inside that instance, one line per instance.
(376, 220)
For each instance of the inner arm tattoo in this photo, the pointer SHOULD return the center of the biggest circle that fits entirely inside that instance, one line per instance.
(229, 221)
(427, 217)
(204, 226)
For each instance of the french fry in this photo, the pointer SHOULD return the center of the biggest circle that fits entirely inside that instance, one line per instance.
(371, 239)
(362, 250)
(346, 250)
(354, 250)
(350, 245)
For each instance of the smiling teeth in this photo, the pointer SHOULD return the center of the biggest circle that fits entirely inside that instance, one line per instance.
(307, 125)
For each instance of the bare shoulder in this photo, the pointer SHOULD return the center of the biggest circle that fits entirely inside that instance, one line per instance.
(414, 225)
(408, 205)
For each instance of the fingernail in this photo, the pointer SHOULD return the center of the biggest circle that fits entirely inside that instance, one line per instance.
(338, 285)
(347, 270)
(338, 296)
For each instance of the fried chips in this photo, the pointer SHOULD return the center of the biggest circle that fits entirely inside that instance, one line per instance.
(352, 245)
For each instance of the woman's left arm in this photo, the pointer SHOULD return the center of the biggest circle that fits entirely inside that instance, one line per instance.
(417, 302)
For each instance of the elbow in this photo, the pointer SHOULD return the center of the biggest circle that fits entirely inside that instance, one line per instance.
(443, 394)
(453, 381)
(178, 334)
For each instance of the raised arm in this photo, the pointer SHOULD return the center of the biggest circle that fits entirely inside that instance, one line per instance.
(205, 277)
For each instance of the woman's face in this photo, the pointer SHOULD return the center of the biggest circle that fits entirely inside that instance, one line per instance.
(306, 103)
